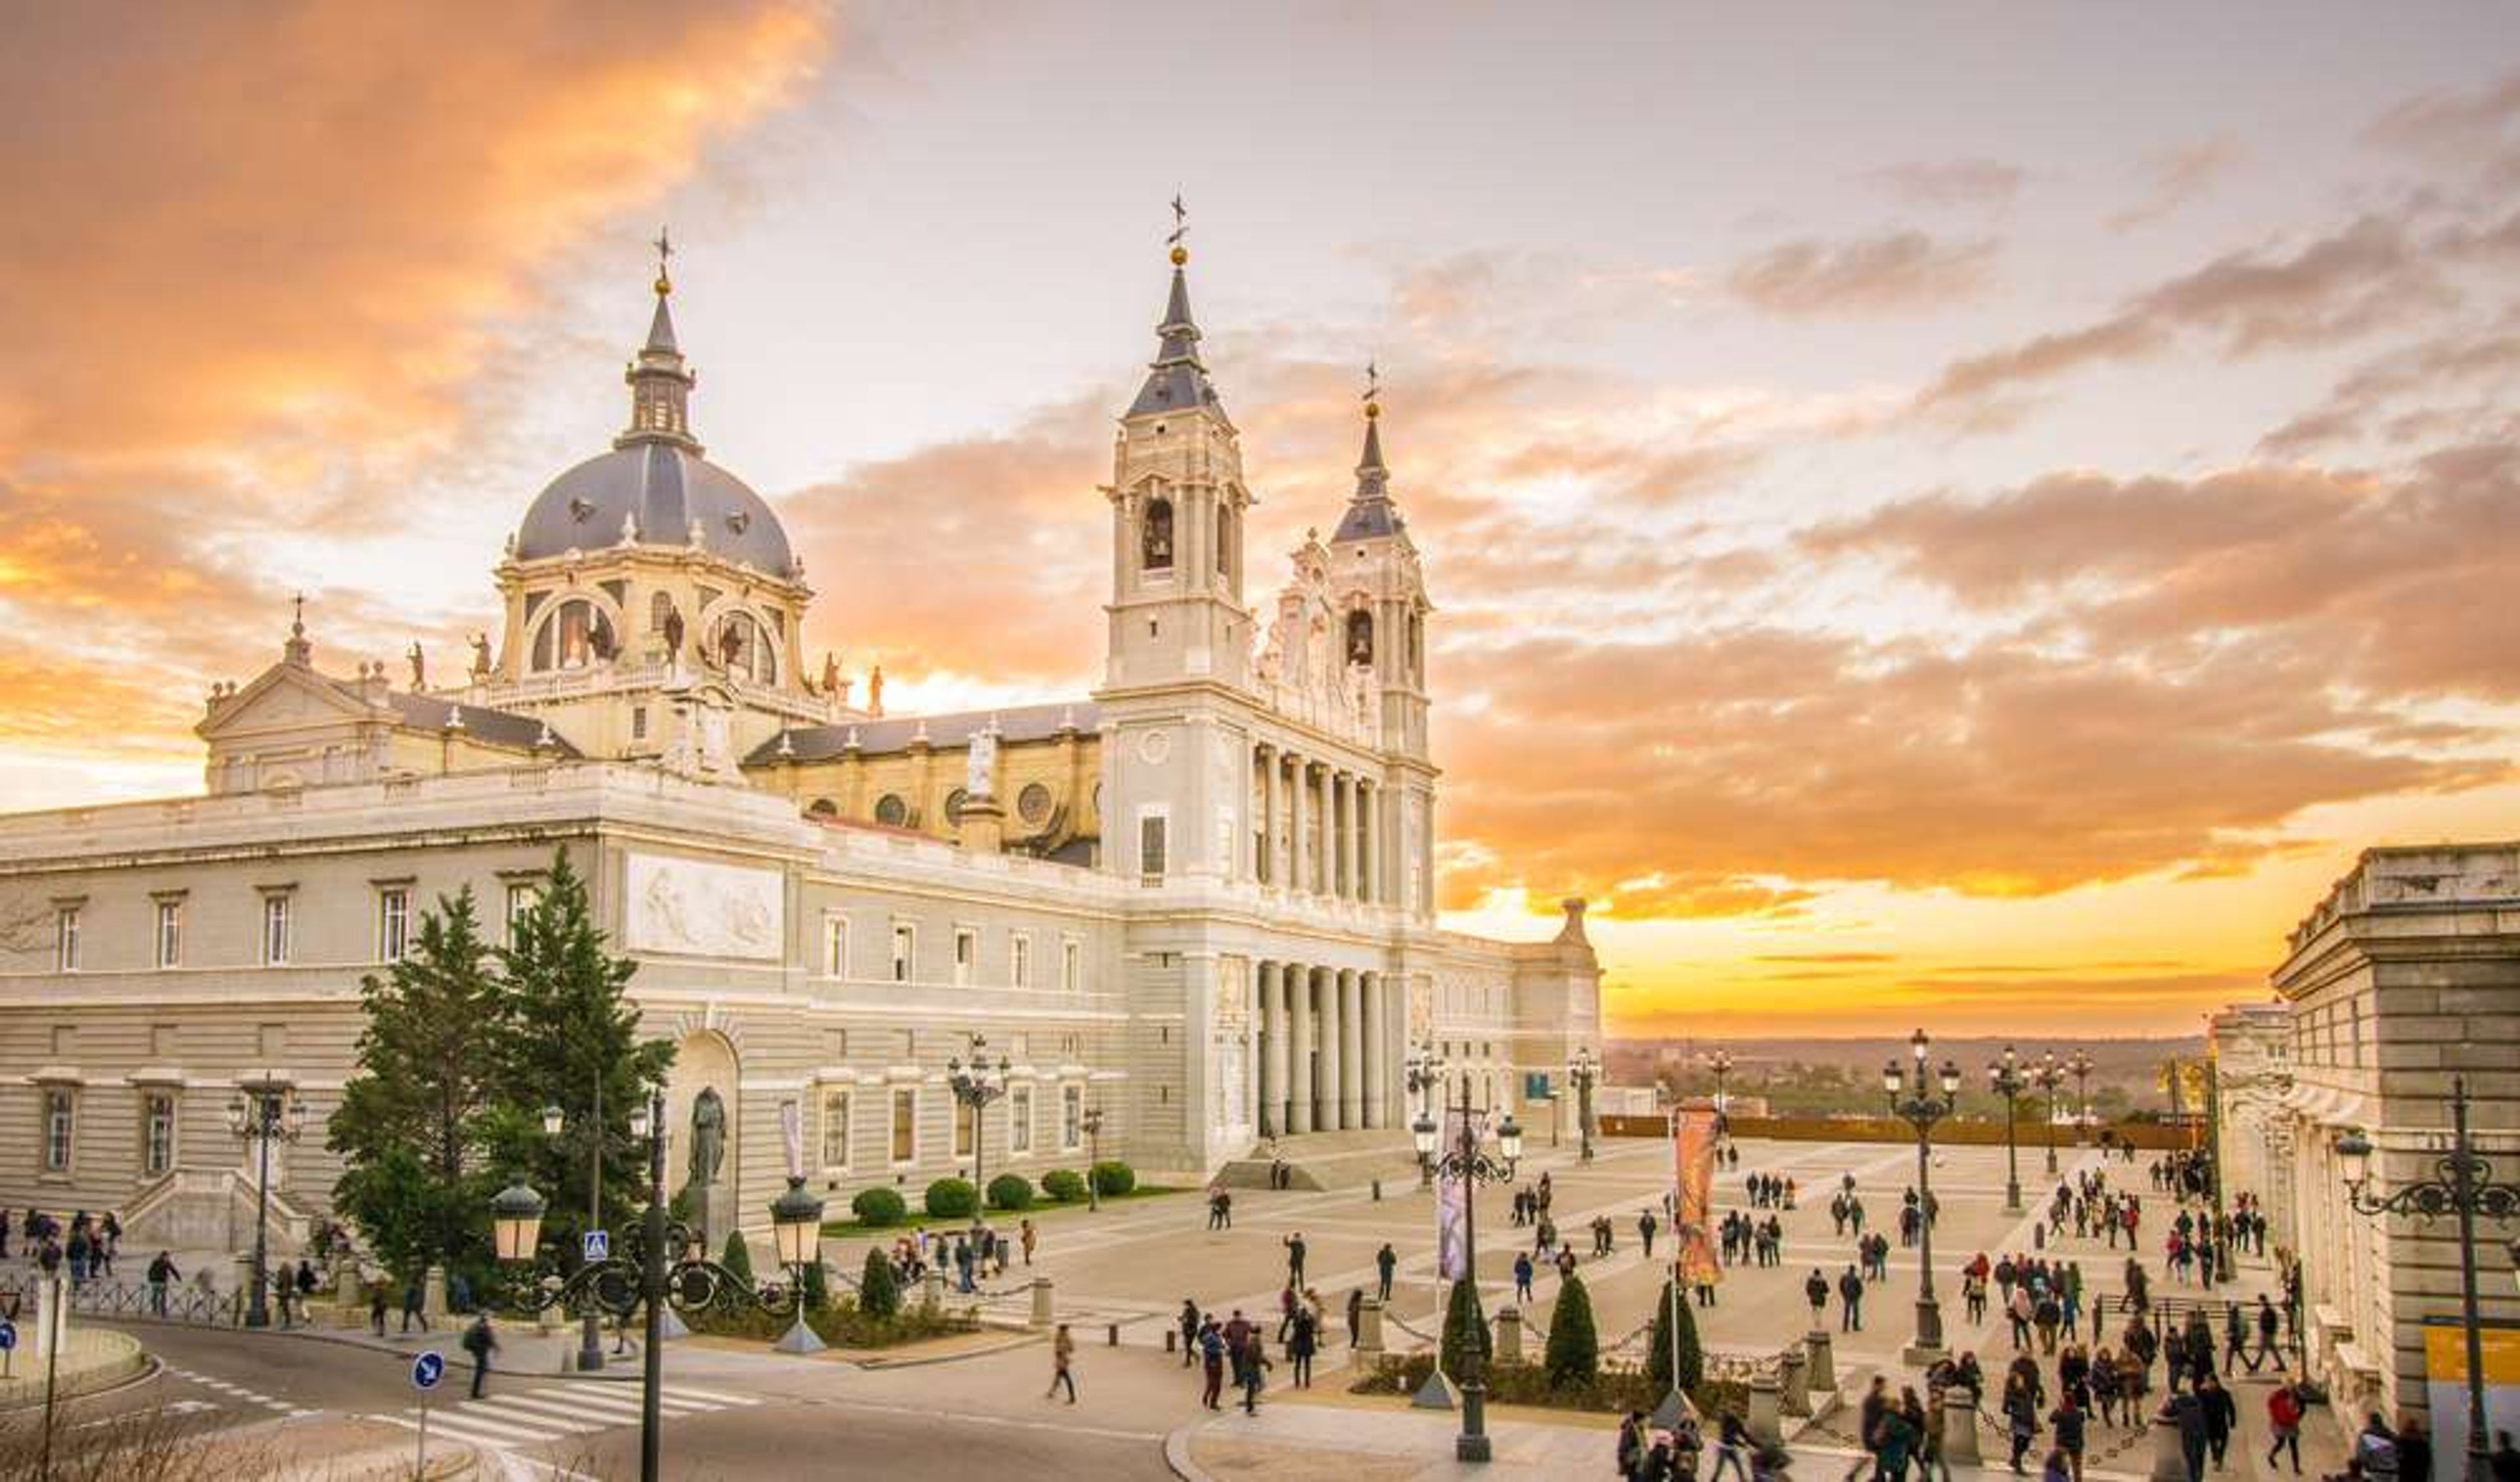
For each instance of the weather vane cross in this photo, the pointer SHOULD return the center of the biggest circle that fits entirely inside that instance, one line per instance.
(1373, 379)
(1180, 222)
(664, 245)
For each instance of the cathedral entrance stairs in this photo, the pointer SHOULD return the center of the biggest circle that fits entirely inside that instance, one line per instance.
(1319, 1162)
(211, 1209)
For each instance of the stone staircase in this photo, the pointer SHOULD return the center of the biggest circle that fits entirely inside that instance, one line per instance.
(1320, 1161)
(210, 1209)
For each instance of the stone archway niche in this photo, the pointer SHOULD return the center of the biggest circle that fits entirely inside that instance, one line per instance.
(704, 1061)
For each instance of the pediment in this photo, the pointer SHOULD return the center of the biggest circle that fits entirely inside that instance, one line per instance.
(284, 698)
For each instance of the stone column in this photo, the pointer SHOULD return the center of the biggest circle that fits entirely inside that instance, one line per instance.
(1273, 1048)
(1271, 868)
(1377, 1053)
(1299, 1016)
(1343, 793)
(1374, 843)
(1330, 1116)
(1351, 993)
(1328, 837)
(1300, 871)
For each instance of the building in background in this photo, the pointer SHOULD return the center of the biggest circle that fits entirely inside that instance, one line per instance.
(1200, 900)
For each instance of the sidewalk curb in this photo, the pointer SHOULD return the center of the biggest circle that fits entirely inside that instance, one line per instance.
(1177, 1454)
(926, 1360)
(608, 1376)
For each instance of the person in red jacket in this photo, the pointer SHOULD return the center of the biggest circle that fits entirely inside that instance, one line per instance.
(2283, 1421)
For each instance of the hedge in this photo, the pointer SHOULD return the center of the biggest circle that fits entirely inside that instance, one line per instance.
(952, 1199)
(1113, 1178)
(879, 1207)
(1009, 1190)
(878, 1294)
(1064, 1185)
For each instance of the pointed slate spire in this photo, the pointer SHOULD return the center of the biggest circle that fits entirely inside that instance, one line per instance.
(1370, 510)
(660, 383)
(1176, 379)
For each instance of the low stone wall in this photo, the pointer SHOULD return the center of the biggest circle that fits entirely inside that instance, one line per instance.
(91, 1360)
(2149, 1136)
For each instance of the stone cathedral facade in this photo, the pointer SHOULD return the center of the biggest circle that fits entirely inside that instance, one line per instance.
(1200, 900)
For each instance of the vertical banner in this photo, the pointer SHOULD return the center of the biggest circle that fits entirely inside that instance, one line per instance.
(792, 1130)
(2445, 1385)
(1451, 1206)
(1692, 1214)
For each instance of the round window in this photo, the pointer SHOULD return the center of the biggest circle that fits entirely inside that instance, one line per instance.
(1033, 804)
(890, 811)
(954, 805)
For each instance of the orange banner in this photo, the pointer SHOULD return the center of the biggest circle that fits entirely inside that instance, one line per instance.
(1694, 1128)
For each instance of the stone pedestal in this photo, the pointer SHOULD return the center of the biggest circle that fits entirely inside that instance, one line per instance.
(983, 825)
(1794, 1389)
(1367, 1337)
(1508, 1337)
(716, 1206)
(433, 1293)
(1960, 1428)
(931, 1289)
(1042, 1305)
(1766, 1418)
(1821, 1373)
(2168, 1463)
(348, 1291)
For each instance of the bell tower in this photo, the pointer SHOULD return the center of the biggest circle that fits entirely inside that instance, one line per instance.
(1178, 505)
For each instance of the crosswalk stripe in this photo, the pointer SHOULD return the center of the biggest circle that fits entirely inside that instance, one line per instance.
(506, 1434)
(686, 1391)
(589, 1419)
(622, 1408)
(523, 1412)
(591, 1398)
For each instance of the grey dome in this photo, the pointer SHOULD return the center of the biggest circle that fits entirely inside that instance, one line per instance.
(667, 488)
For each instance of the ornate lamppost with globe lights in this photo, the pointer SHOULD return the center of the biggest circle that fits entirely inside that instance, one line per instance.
(1468, 1160)
(2048, 1077)
(1425, 1072)
(2079, 1066)
(646, 1276)
(1090, 1122)
(1914, 1099)
(975, 1086)
(260, 1113)
(1719, 1064)
(1584, 1072)
(2463, 1185)
(2004, 1076)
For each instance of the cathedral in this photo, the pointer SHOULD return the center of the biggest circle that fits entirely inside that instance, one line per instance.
(1193, 911)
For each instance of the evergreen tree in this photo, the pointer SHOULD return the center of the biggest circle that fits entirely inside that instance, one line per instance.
(817, 1287)
(878, 1294)
(570, 1028)
(1574, 1355)
(1692, 1357)
(420, 1125)
(738, 1256)
(1466, 1331)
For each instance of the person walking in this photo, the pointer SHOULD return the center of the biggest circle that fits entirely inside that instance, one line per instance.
(1522, 1277)
(2188, 1414)
(1850, 1298)
(376, 1306)
(415, 1304)
(1187, 1323)
(1028, 1238)
(1816, 1292)
(1868, 1433)
(1212, 1357)
(1294, 1244)
(1299, 1349)
(2067, 1419)
(1255, 1371)
(2283, 1424)
(1731, 1445)
(162, 1272)
(2020, 1418)
(1385, 1262)
(480, 1342)
(2269, 1324)
(1646, 1228)
(1062, 1364)
(1355, 1315)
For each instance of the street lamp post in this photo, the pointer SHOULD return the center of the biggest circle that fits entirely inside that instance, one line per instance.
(262, 1112)
(2048, 1076)
(1467, 1161)
(2079, 1066)
(975, 1086)
(1912, 1089)
(623, 1283)
(1720, 1062)
(2006, 1079)
(1584, 1071)
(2464, 1186)
(1425, 1072)
(590, 1337)
(1090, 1120)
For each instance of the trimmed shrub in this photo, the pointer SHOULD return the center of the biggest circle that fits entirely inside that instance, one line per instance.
(1466, 1332)
(952, 1199)
(738, 1257)
(1064, 1185)
(1113, 1178)
(1574, 1353)
(1011, 1190)
(1692, 1357)
(878, 1294)
(818, 1287)
(879, 1207)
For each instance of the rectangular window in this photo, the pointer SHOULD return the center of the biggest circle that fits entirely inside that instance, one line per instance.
(170, 934)
(1150, 848)
(157, 1132)
(275, 931)
(61, 1126)
(836, 1129)
(1071, 966)
(522, 897)
(835, 946)
(905, 1126)
(1072, 1117)
(1019, 1120)
(393, 924)
(65, 938)
(1020, 959)
(638, 723)
(905, 951)
(967, 952)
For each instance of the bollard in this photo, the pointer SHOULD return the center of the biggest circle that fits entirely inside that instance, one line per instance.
(931, 1289)
(1368, 1334)
(347, 1290)
(1169, 1335)
(1378, 1191)
(1041, 1302)
(1821, 1375)
(433, 1293)
(1112, 1334)
(1766, 1426)
(1794, 1396)
(1509, 1335)
(1960, 1428)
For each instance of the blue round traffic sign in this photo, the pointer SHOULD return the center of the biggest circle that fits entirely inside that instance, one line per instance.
(426, 1369)
(8, 1335)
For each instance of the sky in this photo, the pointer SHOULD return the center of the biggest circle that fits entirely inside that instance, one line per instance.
(1943, 514)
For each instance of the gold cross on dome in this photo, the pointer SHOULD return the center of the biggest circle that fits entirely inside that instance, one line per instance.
(1373, 379)
(1181, 221)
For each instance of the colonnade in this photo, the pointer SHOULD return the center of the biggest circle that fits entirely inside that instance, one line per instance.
(1330, 1048)
(1321, 826)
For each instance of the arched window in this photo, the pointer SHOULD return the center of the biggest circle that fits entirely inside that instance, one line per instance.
(739, 643)
(1034, 804)
(954, 802)
(890, 811)
(1158, 543)
(1360, 637)
(577, 634)
(1225, 541)
(824, 808)
(659, 607)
